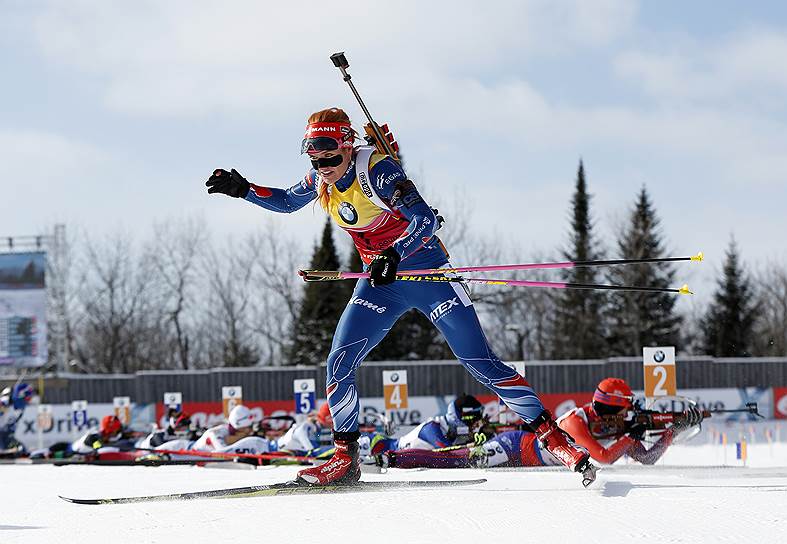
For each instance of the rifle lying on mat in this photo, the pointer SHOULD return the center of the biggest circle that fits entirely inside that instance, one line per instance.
(654, 420)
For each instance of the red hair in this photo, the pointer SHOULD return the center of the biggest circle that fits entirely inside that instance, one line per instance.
(330, 115)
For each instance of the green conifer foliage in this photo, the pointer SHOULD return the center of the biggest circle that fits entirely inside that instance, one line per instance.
(578, 326)
(321, 307)
(728, 325)
(636, 320)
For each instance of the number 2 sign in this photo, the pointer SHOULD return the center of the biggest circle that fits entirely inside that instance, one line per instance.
(659, 366)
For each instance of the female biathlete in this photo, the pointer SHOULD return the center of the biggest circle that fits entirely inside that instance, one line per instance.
(370, 197)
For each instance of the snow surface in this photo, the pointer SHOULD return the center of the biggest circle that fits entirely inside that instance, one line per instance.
(670, 502)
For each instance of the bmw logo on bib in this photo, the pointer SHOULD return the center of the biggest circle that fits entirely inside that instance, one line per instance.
(348, 213)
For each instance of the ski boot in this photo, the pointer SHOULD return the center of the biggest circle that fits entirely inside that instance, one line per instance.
(343, 468)
(560, 444)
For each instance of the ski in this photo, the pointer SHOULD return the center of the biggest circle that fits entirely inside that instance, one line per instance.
(136, 462)
(286, 488)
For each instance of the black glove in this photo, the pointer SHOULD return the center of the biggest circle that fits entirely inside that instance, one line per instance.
(382, 270)
(439, 218)
(386, 459)
(691, 416)
(637, 431)
(230, 183)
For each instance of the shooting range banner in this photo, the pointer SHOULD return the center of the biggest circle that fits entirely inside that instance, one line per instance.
(23, 309)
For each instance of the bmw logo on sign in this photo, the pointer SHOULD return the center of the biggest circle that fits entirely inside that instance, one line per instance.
(348, 213)
(659, 356)
(394, 377)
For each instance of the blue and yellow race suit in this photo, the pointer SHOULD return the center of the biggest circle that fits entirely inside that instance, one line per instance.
(408, 225)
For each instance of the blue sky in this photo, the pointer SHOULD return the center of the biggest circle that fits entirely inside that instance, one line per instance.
(112, 114)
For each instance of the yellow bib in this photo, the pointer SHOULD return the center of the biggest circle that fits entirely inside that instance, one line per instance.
(352, 209)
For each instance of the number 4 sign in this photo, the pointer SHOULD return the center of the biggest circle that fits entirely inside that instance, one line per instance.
(122, 407)
(395, 389)
(231, 396)
(659, 366)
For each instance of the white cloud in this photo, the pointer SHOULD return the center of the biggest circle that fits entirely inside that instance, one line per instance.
(461, 84)
(751, 63)
(43, 171)
(187, 58)
(37, 156)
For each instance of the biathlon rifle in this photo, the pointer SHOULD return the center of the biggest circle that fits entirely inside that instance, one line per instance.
(376, 135)
(260, 428)
(653, 420)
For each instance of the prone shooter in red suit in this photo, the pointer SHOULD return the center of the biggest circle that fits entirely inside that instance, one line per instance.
(609, 441)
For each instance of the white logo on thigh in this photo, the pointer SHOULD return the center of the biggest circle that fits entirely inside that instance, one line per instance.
(443, 309)
(367, 304)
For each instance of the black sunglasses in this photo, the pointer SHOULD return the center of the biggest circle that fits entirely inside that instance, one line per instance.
(329, 162)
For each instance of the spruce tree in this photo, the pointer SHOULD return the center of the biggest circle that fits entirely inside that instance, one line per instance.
(641, 319)
(321, 307)
(578, 327)
(728, 325)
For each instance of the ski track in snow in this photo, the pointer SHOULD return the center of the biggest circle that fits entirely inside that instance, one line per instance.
(666, 503)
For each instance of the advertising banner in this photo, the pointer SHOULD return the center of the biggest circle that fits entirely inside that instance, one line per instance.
(57, 424)
(722, 399)
(207, 414)
(23, 309)
(780, 402)
(418, 410)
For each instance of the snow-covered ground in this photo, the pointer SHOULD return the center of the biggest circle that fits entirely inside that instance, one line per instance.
(677, 501)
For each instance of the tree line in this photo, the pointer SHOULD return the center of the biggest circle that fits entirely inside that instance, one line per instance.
(179, 300)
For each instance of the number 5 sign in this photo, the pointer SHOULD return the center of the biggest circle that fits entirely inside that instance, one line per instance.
(173, 400)
(395, 389)
(304, 395)
(659, 366)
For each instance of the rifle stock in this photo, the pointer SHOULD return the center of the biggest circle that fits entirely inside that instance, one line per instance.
(382, 139)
